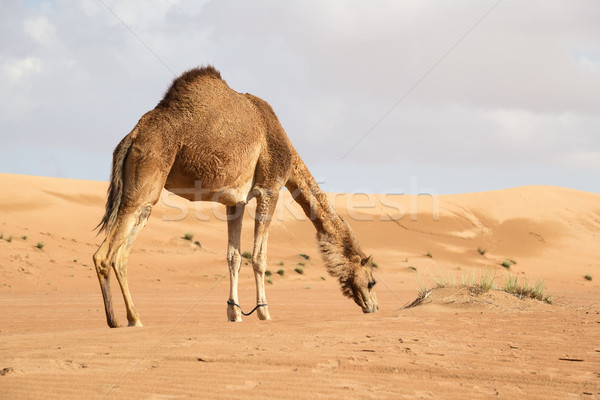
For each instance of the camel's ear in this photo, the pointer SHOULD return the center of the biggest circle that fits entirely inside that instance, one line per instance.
(366, 261)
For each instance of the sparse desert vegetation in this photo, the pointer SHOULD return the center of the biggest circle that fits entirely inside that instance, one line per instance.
(299, 270)
(485, 283)
(188, 236)
(525, 289)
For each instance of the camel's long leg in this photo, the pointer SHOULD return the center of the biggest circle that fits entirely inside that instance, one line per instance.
(235, 215)
(114, 253)
(265, 206)
(120, 262)
(103, 272)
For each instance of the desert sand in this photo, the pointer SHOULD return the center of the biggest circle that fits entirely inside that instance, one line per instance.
(54, 341)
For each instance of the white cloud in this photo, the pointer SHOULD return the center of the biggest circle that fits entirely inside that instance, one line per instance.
(41, 30)
(140, 15)
(19, 70)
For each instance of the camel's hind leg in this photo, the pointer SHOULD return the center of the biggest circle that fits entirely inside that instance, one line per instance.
(143, 180)
(103, 272)
(114, 253)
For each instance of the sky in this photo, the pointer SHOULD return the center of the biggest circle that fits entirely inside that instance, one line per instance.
(419, 96)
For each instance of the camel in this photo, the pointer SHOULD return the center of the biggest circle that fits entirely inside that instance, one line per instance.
(205, 141)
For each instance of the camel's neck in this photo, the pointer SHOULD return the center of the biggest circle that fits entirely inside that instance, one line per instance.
(336, 240)
(314, 202)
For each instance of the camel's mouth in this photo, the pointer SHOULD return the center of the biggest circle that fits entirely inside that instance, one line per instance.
(371, 309)
(371, 305)
(367, 302)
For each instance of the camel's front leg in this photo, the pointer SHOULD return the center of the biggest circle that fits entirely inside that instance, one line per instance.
(235, 215)
(264, 212)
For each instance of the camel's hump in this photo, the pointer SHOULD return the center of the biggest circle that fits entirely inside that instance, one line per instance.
(188, 78)
(194, 73)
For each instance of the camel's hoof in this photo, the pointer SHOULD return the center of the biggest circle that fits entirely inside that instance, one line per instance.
(114, 324)
(135, 323)
(263, 313)
(233, 314)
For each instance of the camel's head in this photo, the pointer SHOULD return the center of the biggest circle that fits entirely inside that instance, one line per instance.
(362, 283)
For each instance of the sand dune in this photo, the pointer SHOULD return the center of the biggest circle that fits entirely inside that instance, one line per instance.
(55, 343)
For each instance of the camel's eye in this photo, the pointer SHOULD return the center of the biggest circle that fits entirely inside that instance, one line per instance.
(371, 284)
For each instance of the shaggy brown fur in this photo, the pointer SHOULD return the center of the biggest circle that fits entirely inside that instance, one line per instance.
(205, 141)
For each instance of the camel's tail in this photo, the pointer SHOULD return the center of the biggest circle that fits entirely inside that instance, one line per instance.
(115, 190)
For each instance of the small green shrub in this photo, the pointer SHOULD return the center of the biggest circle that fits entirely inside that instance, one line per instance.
(24, 237)
(188, 236)
(412, 268)
(429, 255)
(305, 256)
(301, 264)
(281, 263)
(469, 280)
(506, 264)
(281, 272)
(481, 250)
(486, 280)
(525, 289)
(588, 277)
(40, 245)
(247, 255)
(9, 239)
(374, 264)
(268, 273)
(269, 281)
(197, 243)
(322, 278)
(443, 280)
(299, 270)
